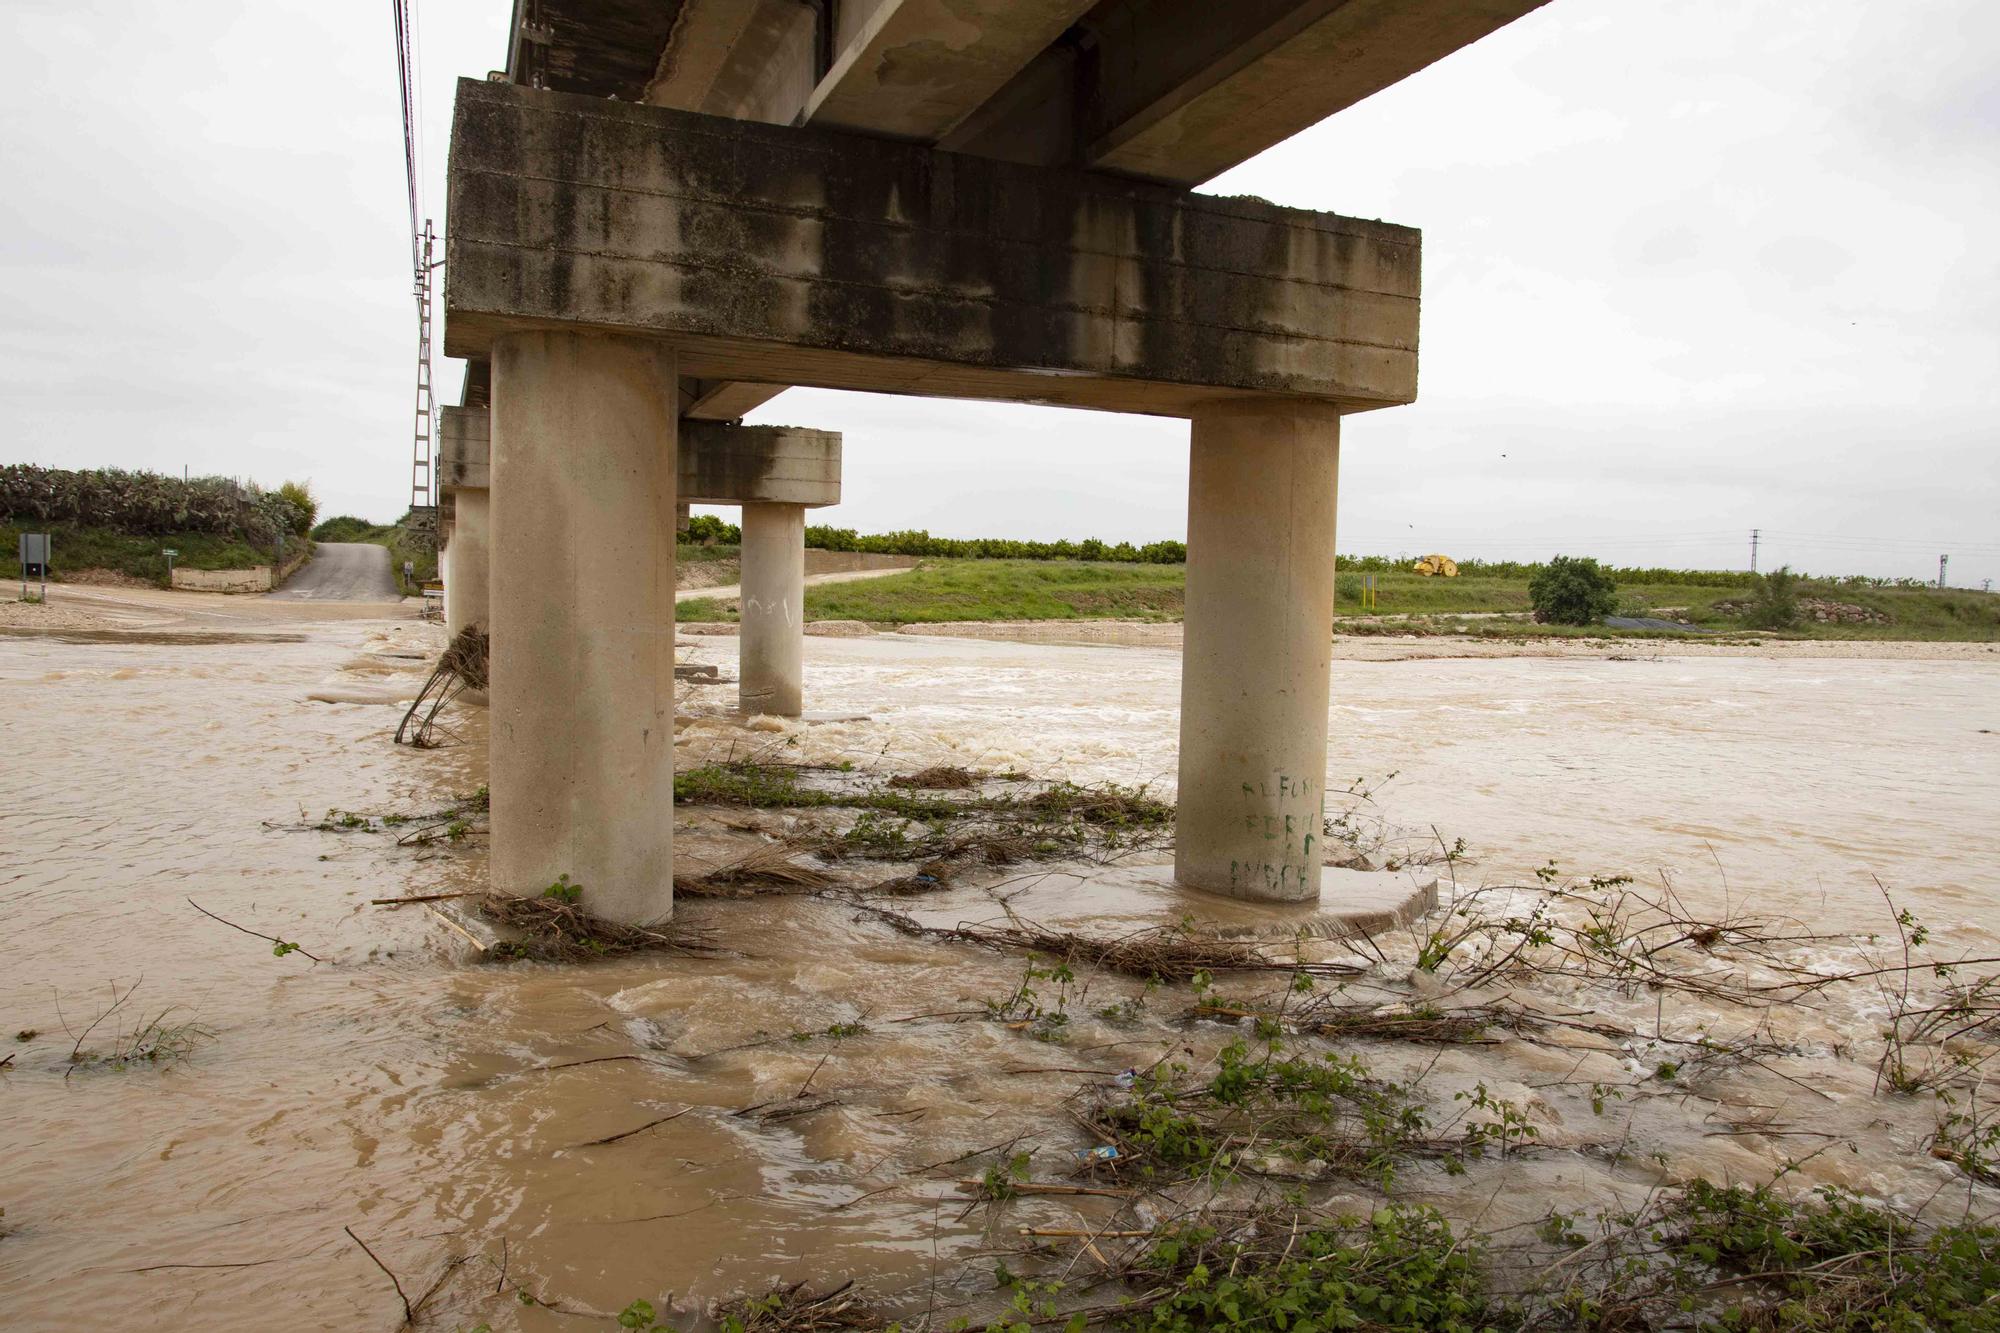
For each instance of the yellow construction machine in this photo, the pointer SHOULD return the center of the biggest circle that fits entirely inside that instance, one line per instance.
(1442, 566)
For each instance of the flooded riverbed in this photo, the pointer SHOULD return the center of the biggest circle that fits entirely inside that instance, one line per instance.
(492, 1129)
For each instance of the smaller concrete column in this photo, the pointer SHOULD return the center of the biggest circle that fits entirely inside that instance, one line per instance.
(776, 473)
(1257, 649)
(465, 475)
(468, 559)
(771, 669)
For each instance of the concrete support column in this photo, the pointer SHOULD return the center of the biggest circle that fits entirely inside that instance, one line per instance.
(582, 619)
(468, 559)
(1257, 649)
(771, 669)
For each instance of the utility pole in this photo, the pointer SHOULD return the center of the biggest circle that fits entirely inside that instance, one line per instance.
(1754, 534)
(1943, 560)
(423, 493)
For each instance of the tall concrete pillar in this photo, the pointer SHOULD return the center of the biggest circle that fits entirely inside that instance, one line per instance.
(582, 616)
(770, 671)
(467, 563)
(1257, 649)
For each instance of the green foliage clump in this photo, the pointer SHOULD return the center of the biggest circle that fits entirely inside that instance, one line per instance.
(708, 530)
(1404, 1270)
(1270, 1111)
(297, 497)
(1572, 590)
(141, 503)
(1734, 1259)
(1774, 600)
(348, 528)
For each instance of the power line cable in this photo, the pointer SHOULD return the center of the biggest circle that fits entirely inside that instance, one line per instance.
(405, 71)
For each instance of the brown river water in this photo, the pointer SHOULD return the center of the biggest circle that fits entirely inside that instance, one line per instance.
(455, 1115)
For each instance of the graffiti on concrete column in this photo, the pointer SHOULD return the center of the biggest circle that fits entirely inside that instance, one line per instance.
(1283, 813)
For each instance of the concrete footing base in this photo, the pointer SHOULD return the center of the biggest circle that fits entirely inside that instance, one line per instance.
(1132, 896)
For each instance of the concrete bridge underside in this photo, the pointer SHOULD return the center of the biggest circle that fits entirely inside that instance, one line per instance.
(669, 212)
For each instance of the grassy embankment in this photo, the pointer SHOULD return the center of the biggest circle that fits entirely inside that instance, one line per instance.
(75, 549)
(944, 590)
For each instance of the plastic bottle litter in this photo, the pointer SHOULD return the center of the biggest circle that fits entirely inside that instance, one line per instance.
(1126, 1079)
(1103, 1153)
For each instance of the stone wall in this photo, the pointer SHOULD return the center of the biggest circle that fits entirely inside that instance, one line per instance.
(255, 579)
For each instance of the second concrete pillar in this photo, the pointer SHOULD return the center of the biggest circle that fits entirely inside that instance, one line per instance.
(582, 616)
(770, 671)
(1257, 650)
(467, 563)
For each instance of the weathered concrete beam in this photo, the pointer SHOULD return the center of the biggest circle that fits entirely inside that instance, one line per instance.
(802, 256)
(1183, 90)
(1180, 91)
(916, 68)
(465, 450)
(751, 59)
(728, 400)
(729, 465)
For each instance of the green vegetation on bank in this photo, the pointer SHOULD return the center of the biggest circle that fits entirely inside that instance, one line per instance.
(990, 590)
(948, 590)
(110, 519)
(74, 549)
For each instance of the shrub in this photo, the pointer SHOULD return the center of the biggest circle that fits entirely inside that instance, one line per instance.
(707, 529)
(298, 496)
(142, 503)
(1774, 600)
(1572, 590)
(347, 528)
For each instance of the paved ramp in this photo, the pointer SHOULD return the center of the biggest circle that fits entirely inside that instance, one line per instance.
(343, 572)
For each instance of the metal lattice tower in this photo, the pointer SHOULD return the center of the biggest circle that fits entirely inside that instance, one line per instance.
(423, 470)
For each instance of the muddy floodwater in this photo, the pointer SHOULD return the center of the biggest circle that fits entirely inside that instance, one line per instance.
(585, 1135)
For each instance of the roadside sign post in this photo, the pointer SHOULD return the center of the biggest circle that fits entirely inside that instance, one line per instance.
(169, 554)
(35, 562)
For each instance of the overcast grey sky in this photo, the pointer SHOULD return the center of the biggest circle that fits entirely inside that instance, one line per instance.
(1689, 269)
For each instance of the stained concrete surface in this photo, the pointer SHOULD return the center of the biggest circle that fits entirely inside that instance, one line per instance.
(343, 572)
(814, 257)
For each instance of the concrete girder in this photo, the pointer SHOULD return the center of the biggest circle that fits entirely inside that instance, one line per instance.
(1195, 88)
(812, 257)
(726, 400)
(915, 69)
(751, 59)
(1170, 90)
